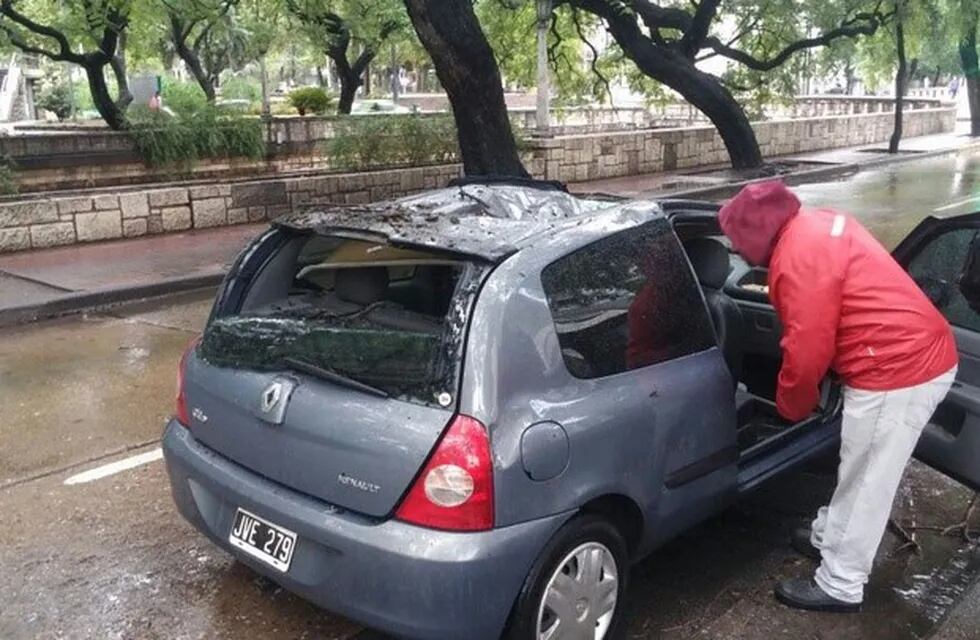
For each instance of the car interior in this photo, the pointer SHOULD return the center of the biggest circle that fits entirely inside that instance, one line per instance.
(746, 326)
(339, 280)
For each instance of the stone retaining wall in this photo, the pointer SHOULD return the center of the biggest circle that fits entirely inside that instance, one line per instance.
(611, 155)
(49, 222)
(136, 211)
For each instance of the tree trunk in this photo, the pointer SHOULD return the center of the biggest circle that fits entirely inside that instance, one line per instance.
(711, 98)
(190, 57)
(901, 76)
(118, 62)
(971, 69)
(104, 103)
(704, 91)
(468, 71)
(849, 78)
(348, 90)
(321, 81)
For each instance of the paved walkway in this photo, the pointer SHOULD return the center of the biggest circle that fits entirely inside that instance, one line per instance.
(56, 281)
(110, 271)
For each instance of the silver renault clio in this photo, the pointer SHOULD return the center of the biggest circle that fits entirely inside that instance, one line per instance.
(465, 413)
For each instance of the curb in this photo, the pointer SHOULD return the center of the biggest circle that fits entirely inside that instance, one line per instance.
(810, 175)
(105, 298)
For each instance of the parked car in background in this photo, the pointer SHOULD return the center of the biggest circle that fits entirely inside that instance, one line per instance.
(465, 414)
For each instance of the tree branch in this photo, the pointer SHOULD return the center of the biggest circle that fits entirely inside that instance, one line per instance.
(694, 36)
(594, 63)
(7, 9)
(861, 24)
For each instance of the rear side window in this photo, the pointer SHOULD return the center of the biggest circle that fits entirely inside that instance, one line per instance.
(936, 269)
(626, 301)
(388, 318)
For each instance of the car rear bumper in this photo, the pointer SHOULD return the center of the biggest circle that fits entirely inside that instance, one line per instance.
(398, 578)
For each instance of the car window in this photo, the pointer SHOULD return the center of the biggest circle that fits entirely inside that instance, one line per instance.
(626, 301)
(936, 269)
(382, 315)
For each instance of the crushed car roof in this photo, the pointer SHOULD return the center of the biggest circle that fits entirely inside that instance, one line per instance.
(488, 221)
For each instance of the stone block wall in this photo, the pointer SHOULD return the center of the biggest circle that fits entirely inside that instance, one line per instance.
(47, 222)
(617, 154)
(34, 223)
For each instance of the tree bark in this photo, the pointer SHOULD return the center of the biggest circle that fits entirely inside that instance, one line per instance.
(104, 104)
(179, 33)
(703, 90)
(971, 69)
(124, 97)
(901, 77)
(468, 71)
(350, 76)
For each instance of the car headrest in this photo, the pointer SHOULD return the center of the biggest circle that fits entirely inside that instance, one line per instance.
(711, 261)
(361, 285)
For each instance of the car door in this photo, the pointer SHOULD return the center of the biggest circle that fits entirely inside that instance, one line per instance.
(934, 254)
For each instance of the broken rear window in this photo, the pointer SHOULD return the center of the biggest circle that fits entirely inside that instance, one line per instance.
(380, 318)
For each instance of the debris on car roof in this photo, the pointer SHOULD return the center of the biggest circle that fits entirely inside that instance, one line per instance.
(484, 220)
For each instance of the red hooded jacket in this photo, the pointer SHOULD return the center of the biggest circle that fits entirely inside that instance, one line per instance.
(842, 299)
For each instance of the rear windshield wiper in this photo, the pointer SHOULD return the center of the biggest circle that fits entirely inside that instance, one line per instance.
(333, 376)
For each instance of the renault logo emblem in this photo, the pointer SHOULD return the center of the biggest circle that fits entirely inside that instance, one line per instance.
(271, 396)
(274, 399)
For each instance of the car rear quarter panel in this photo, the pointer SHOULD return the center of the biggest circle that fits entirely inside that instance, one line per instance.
(626, 433)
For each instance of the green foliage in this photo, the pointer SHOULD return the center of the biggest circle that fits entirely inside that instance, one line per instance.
(361, 142)
(183, 98)
(8, 186)
(178, 142)
(241, 88)
(511, 30)
(310, 100)
(56, 97)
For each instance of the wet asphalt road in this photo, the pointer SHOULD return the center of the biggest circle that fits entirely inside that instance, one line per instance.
(112, 559)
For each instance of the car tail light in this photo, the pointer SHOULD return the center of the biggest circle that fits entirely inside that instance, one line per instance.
(455, 489)
(182, 414)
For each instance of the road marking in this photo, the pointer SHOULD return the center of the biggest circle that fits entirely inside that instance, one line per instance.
(958, 203)
(115, 467)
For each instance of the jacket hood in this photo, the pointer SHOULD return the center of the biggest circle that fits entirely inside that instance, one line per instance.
(754, 218)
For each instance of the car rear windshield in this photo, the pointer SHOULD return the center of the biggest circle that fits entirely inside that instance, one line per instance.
(383, 319)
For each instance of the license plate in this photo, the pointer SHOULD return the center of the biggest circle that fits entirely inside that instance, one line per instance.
(261, 539)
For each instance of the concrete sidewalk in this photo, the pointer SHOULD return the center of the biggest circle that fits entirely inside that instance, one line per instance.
(52, 282)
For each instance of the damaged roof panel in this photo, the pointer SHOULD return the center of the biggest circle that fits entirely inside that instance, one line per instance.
(489, 222)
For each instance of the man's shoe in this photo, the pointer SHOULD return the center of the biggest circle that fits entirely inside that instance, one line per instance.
(800, 540)
(804, 593)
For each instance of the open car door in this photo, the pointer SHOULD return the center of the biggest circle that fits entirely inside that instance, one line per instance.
(935, 254)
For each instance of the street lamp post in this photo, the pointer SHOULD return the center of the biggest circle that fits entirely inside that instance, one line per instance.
(543, 119)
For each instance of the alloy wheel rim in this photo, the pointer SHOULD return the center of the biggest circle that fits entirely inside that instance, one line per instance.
(579, 600)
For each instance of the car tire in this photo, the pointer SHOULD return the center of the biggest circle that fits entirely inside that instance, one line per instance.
(585, 539)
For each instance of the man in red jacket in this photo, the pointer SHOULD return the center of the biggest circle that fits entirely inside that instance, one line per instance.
(845, 305)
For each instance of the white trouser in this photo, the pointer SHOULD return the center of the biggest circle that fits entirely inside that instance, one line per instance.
(878, 435)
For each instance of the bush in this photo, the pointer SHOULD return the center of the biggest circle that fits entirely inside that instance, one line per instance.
(183, 98)
(178, 141)
(57, 99)
(241, 88)
(8, 185)
(361, 142)
(309, 100)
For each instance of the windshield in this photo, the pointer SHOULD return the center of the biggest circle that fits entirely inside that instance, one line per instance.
(381, 318)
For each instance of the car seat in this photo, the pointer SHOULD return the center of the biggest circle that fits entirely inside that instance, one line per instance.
(712, 264)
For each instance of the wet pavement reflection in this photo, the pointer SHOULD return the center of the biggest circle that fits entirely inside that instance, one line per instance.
(892, 200)
(112, 558)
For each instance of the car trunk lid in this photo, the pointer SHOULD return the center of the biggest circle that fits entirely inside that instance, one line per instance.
(351, 449)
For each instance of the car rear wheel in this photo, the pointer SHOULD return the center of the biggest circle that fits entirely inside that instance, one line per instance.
(575, 589)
